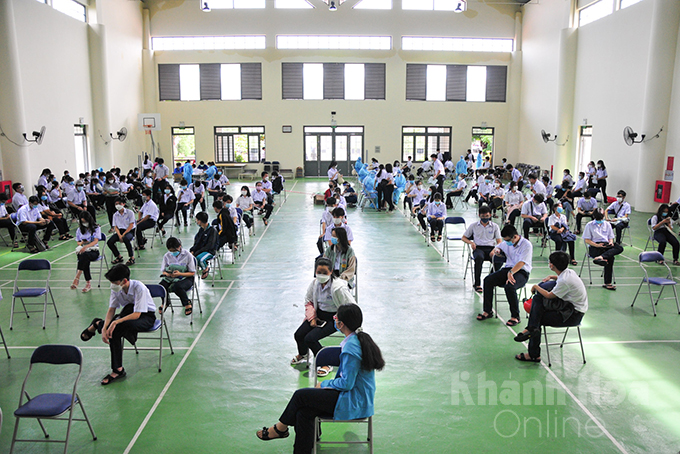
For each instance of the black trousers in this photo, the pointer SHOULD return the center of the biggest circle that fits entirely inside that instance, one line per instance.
(608, 253)
(31, 230)
(529, 224)
(499, 279)
(127, 240)
(480, 255)
(539, 316)
(90, 209)
(183, 208)
(440, 185)
(602, 185)
(127, 330)
(580, 216)
(61, 224)
(421, 219)
(472, 193)
(268, 207)
(436, 226)
(156, 191)
(512, 216)
(198, 200)
(663, 236)
(144, 225)
(451, 195)
(84, 261)
(307, 337)
(110, 208)
(305, 405)
(164, 219)
(247, 219)
(388, 193)
(179, 288)
(619, 228)
(7, 224)
(561, 245)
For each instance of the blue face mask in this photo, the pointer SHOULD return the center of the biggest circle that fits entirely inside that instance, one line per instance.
(167, 191)
(437, 202)
(227, 205)
(598, 222)
(509, 243)
(335, 324)
(43, 197)
(175, 253)
(334, 240)
(560, 210)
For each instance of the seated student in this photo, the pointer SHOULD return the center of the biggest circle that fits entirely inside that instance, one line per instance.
(77, 201)
(178, 270)
(225, 225)
(410, 185)
(228, 204)
(214, 187)
(326, 222)
(566, 299)
(205, 243)
(261, 202)
(348, 396)
(474, 190)
(662, 225)
(111, 191)
(124, 231)
(198, 188)
(138, 314)
(202, 166)
(416, 195)
(424, 205)
(496, 197)
(324, 296)
(267, 187)
(349, 194)
(339, 220)
(146, 218)
(18, 199)
(331, 189)
(341, 255)
(513, 276)
(482, 236)
(167, 206)
(147, 181)
(178, 169)
(559, 232)
(184, 201)
(436, 214)
(513, 200)
(5, 221)
(30, 221)
(484, 190)
(88, 235)
(618, 214)
(53, 214)
(342, 203)
(579, 188)
(567, 183)
(536, 186)
(95, 190)
(246, 205)
(56, 196)
(457, 191)
(534, 214)
(599, 236)
(585, 207)
(277, 183)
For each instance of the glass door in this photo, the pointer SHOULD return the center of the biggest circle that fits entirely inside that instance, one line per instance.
(324, 144)
(482, 142)
(585, 144)
(81, 149)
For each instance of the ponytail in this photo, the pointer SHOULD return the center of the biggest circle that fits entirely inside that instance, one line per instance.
(371, 356)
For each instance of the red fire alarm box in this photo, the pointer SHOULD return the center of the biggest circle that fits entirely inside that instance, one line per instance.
(6, 187)
(662, 193)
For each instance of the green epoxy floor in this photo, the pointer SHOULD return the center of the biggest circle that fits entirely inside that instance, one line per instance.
(451, 383)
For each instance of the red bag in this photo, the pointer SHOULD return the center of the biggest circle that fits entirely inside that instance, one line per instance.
(527, 305)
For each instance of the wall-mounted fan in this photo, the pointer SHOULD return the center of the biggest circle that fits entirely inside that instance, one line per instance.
(38, 136)
(629, 136)
(547, 138)
(120, 135)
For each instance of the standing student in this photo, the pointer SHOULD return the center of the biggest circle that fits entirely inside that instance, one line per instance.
(558, 230)
(592, 179)
(513, 276)
(333, 173)
(618, 214)
(482, 236)
(380, 176)
(177, 270)
(124, 232)
(146, 218)
(184, 200)
(662, 225)
(436, 215)
(439, 172)
(88, 235)
(601, 175)
(138, 314)
(261, 202)
(534, 213)
(205, 243)
(388, 187)
(160, 175)
(111, 191)
(585, 207)
(167, 207)
(245, 204)
(599, 236)
(516, 176)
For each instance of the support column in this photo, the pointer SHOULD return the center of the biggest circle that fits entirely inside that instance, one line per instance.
(150, 82)
(102, 151)
(15, 159)
(565, 156)
(515, 92)
(655, 114)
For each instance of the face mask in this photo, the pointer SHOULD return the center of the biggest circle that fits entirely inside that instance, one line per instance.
(565, 174)
(598, 222)
(120, 207)
(664, 214)
(334, 240)
(184, 188)
(560, 210)
(115, 287)
(110, 181)
(509, 243)
(258, 188)
(484, 220)
(244, 192)
(34, 206)
(322, 278)
(21, 189)
(85, 224)
(79, 188)
(43, 197)
(429, 192)
(167, 191)
(498, 185)
(227, 205)
(514, 189)
(619, 199)
(148, 175)
(580, 177)
(488, 181)
(438, 202)
(175, 253)
(337, 221)
(335, 324)
(219, 173)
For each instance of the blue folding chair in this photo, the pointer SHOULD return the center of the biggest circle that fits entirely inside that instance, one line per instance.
(662, 282)
(51, 406)
(159, 326)
(454, 235)
(330, 356)
(32, 292)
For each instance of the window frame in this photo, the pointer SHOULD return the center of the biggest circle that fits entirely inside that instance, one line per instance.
(427, 135)
(223, 135)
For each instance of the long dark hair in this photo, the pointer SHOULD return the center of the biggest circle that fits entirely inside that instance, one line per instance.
(332, 164)
(343, 242)
(433, 191)
(87, 217)
(601, 162)
(381, 169)
(663, 207)
(371, 357)
(388, 168)
(323, 261)
(246, 188)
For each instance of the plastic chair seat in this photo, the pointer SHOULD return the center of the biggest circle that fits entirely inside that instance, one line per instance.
(29, 292)
(156, 326)
(454, 238)
(46, 405)
(659, 281)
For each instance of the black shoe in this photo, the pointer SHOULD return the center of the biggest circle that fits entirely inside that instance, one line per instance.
(521, 337)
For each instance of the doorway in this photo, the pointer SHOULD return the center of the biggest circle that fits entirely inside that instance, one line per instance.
(482, 143)
(183, 145)
(324, 144)
(584, 146)
(81, 149)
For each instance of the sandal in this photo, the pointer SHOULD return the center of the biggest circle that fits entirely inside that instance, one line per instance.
(601, 262)
(512, 322)
(522, 336)
(479, 289)
(297, 361)
(525, 357)
(323, 371)
(439, 237)
(76, 281)
(117, 260)
(131, 261)
(86, 335)
(432, 239)
(205, 273)
(264, 435)
(573, 263)
(110, 379)
(609, 287)
(87, 288)
(676, 263)
(482, 317)
(15, 245)
(188, 309)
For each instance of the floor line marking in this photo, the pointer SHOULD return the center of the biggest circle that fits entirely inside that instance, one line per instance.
(174, 375)
(16, 347)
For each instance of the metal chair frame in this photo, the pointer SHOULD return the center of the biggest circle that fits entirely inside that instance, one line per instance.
(195, 296)
(586, 260)
(562, 343)
(27, 265)
(453, 220)
(157, 291)
(668, 281)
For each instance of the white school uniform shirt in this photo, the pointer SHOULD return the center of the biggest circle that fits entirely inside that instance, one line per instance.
(197, 189)
(77, 197)
(26, 213)
(514, 198)
(137, 294)
(483, 235)
(485, 188)
(568, 180)
(437, 211)
(539, 187)
(147, 165)
(549, 191)
(587, 205)
(123, 219)
(327, 235)
(259, 196)
(266, 184)
(570, 288)
(531, 209)
(150, 209)
(653, 222)
(243, 202)
(520, 252)
(54, 195)
(88, 236)
(214, 184)
(420, 195)
(438, 167)
(426, 166)
(19, 200)
(42, 181)
(186, 196)
(332, 173)
(486, 164)
(161, 171)
(598, 233)
(449, 166)
(462, 184)
(342, 203)
(148, 182)
(558, 219)
(408, 164)
(3, 210)
(600, 173)
(184, 258)
(497, 192)
(516, 175)
(580, 185)
(480, 180)
(223, 179)
(620, 209)
(592, 175)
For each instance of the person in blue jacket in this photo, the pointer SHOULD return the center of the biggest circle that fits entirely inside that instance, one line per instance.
(348, 396)
(187, 171)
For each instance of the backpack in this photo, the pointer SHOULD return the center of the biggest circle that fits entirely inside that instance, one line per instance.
(277, 184)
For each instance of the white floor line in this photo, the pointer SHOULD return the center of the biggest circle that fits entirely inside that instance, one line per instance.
(84, 348)
(571, 394)
(174, 375)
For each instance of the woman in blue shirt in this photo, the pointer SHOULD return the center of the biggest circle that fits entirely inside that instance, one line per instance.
(348, 396)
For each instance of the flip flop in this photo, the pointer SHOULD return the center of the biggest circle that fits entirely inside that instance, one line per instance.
(479, 289)
(526, 358)
(188, 310)
(609, 287)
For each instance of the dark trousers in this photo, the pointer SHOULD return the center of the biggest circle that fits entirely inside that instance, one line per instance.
(183, 208)
(84, 261)
(539, 316)
(110, 208)
(663, 236)
(473, 194)
(7, 224)
(512, 216)
(608, 253)
(156, 191)
(602, 185)
(619, 228)
(305, 405)
(351, 198)
(198, 200)
(179, 288)
(388, 192)
(268, 207)
(580, 216)
(440, 185)
(480, 255)
(307, 336)
(127, 239)
(451, 195)
(127, 330)
(247, 219)
(499, 279)
(529, 224)
(436, 226)
(144, 225)
(90, 209)
(421, 219)
(561, 245)
(61, 225)
(31, 230)
(164, 219)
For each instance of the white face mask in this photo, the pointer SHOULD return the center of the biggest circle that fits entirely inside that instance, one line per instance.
(322, 278)
(244, 192)
(120, 207)
(116, 287)
(337, 221)
(85, 224)
(619, 199)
